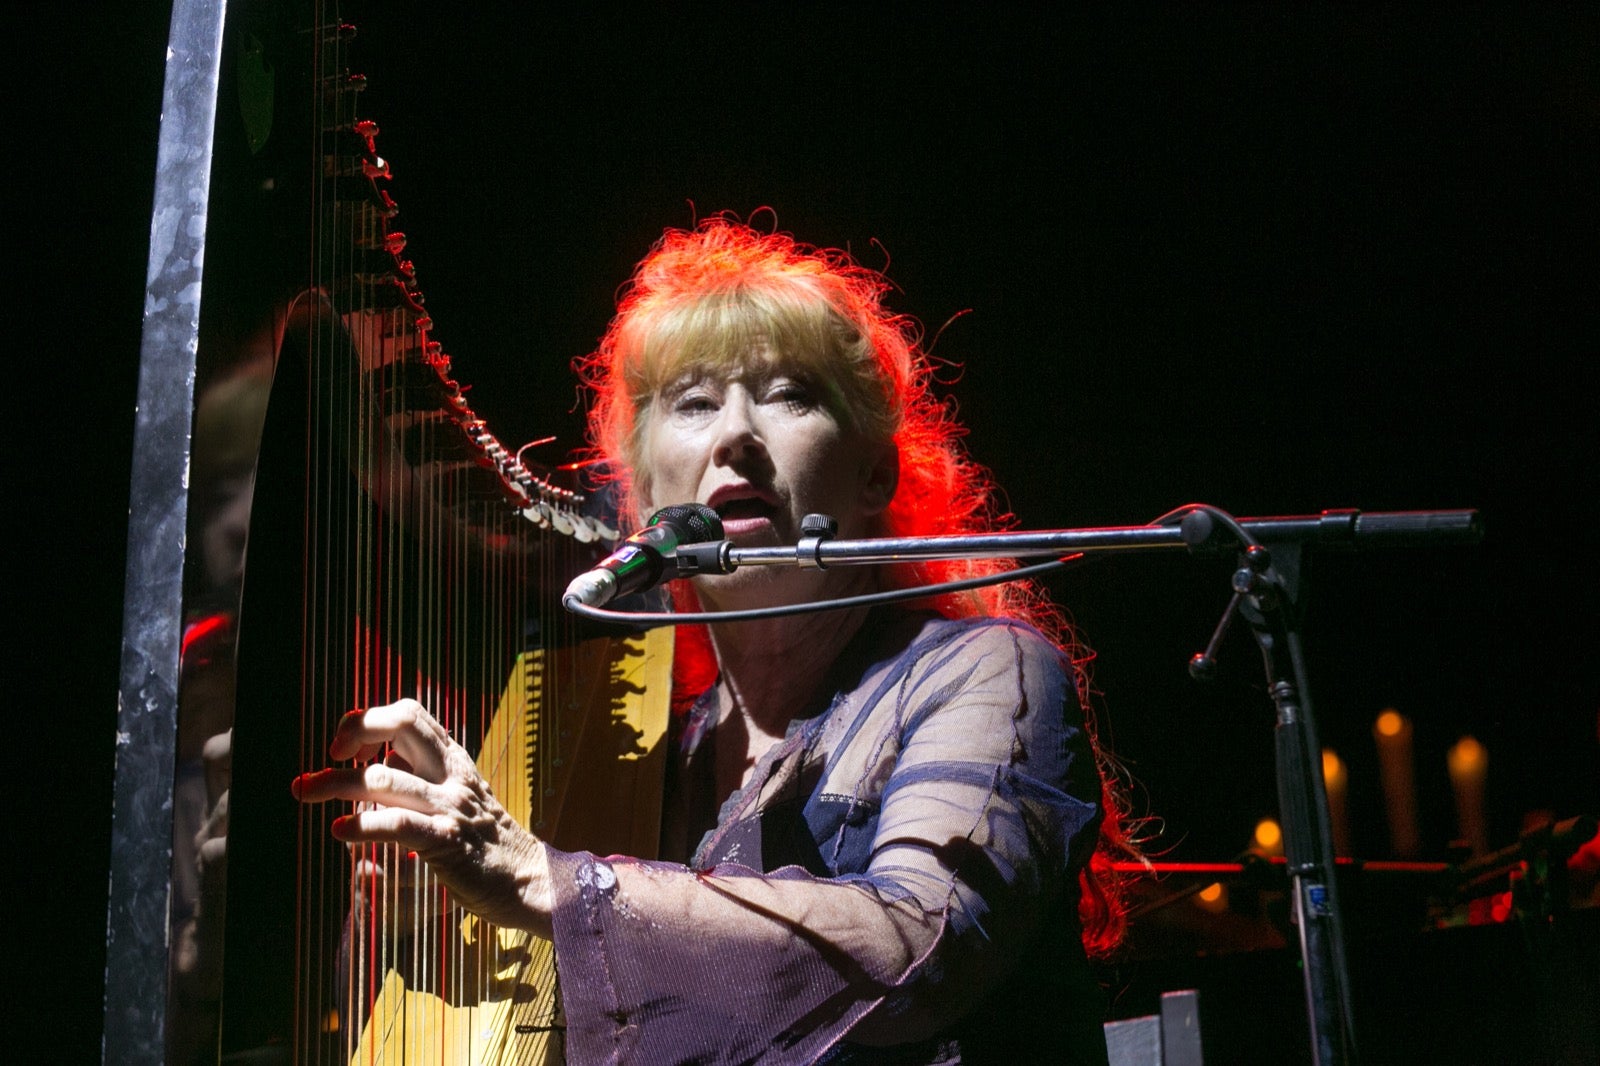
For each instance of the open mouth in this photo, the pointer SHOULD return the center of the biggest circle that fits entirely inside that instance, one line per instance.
(737, 505)
(745, 509)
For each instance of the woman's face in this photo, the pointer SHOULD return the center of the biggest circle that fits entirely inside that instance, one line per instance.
(757, 444)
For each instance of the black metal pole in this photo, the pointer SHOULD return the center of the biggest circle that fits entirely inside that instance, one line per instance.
(1269, 594)
(1341, 529)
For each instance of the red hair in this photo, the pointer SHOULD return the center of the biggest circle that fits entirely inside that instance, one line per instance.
(713, 295)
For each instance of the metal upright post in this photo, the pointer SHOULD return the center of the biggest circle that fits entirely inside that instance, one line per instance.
(137, 921)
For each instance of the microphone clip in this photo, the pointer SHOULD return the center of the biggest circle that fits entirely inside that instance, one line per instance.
(814, 529)
(716, 556)
(711, 557)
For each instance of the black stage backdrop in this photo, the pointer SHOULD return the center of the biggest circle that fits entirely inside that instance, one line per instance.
(1275, 260)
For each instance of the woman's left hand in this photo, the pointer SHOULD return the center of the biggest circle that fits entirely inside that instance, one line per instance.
(432, 800)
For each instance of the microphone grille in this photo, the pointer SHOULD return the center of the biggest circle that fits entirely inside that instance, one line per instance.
(695, 522)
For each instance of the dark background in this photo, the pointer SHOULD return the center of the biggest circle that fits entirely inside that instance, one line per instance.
(1274, 260)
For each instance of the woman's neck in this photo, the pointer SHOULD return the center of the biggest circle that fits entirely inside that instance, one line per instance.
(773, 671)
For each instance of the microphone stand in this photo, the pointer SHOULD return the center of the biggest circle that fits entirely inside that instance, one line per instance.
(1267, 593)
(1192, 526)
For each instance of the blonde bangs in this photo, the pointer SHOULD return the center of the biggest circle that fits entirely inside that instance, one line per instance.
(723, 333)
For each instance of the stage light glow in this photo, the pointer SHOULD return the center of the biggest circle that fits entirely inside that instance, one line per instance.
(1268, 837)
(1468, 762)
(1214, 897)
(1392, 734)
(1332, 768)
(1468, 757)
(1337, 780)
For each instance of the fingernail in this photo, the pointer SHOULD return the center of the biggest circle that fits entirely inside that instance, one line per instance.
(294, 786)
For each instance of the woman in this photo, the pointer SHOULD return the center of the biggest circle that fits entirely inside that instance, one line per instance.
(884, 814)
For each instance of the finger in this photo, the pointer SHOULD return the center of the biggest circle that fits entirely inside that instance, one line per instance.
(406, 725)
(218, 749)
(217, 754)
(212, 853)
(364, 732)
(373, 783)
(348, 742)
(410, 829)
(216, 823)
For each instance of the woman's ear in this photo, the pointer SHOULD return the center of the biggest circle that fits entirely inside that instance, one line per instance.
(880, 478)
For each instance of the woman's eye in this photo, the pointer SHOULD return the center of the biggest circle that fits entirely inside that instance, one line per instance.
(792, 394)
(694, 401)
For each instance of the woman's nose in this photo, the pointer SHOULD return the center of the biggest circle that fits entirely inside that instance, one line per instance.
(736, 435)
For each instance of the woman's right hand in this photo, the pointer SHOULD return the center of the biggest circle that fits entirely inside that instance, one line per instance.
(427, 796)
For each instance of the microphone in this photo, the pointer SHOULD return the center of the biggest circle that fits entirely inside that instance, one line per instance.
(639, 562)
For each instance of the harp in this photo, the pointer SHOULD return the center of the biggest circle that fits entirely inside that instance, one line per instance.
(395, 548)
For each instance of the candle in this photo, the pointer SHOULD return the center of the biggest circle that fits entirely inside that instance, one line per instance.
(1469, 767)
(1392, 734)
(1337, 778)
(1213, 898)
(1268, 838)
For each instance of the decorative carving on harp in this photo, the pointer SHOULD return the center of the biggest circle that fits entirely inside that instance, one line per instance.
(395, 549)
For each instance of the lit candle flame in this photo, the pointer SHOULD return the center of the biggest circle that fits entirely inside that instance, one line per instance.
(1392, 733)
(1268, 837)
(1214, 897)
(1469, 768)
(1337, 780)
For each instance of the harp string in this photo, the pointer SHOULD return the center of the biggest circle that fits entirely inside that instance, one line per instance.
(413, 586)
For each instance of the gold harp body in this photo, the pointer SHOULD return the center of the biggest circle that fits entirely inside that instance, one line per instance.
(622, 721)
